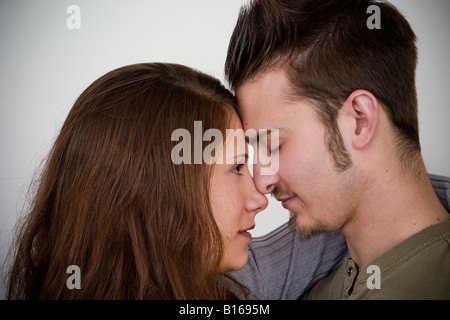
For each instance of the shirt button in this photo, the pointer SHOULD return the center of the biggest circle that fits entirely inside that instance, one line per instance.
(349, 270)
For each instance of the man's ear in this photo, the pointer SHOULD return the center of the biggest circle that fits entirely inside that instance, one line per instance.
(362, 107)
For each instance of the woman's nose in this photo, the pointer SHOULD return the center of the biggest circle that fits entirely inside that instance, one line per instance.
(255, 201)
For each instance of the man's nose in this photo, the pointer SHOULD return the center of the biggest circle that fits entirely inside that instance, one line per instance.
(265, 181)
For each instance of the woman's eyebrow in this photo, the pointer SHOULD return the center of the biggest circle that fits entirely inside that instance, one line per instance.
(242, 156)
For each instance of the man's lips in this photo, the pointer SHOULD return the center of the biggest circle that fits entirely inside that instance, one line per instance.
(286, 201)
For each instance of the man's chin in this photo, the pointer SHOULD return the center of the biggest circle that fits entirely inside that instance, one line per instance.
(304, 231)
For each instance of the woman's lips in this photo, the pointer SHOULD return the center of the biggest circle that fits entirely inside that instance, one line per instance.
(245, 233)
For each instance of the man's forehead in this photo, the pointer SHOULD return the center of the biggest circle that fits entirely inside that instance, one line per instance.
(264, 117)
(270, 78)
(263, 94)
(261, 118)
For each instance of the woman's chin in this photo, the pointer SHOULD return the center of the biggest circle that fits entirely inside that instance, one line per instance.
(234, 264)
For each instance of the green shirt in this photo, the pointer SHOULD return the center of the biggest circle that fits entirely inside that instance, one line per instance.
(417, 268)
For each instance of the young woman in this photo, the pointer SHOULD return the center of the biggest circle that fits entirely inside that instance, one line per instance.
(111, 200)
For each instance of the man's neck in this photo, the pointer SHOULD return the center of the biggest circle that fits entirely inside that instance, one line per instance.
(395, 207)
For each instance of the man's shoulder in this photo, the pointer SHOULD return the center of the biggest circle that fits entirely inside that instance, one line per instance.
(414, 269)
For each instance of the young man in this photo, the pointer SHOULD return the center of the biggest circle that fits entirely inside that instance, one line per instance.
(342, 97)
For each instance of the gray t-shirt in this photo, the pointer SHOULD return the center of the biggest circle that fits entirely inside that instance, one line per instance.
(282, 266)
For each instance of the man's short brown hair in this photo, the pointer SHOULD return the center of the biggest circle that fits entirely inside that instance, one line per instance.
(328, 52)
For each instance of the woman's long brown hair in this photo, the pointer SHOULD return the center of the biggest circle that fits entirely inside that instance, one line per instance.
(111, 201)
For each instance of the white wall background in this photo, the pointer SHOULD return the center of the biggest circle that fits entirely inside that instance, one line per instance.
(44, 67)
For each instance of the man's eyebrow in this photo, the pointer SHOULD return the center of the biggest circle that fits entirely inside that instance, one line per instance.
(263, 133)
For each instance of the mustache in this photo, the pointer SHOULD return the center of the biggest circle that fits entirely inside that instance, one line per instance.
(279, 191)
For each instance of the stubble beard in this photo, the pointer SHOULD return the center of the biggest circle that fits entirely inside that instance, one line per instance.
(305, 232)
